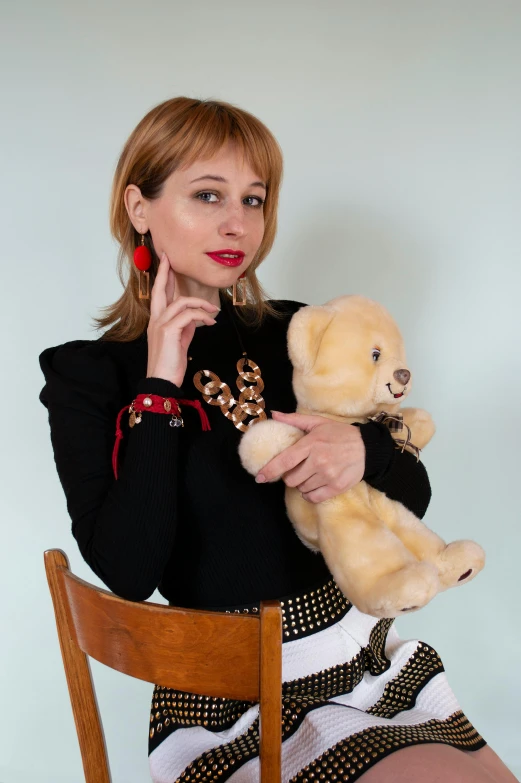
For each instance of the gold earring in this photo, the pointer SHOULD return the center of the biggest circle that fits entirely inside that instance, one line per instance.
(234, 290)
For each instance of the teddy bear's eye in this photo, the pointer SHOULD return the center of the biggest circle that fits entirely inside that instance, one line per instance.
(376, 354)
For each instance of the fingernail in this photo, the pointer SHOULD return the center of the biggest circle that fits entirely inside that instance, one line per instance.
(276, 411)
(260, 479)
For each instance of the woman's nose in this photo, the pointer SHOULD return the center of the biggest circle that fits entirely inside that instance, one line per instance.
(234, 222)
(402, 376)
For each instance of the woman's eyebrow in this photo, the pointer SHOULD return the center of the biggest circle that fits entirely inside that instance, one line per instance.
(222, 179)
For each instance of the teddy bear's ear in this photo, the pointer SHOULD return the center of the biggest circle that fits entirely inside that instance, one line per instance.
(305, 332)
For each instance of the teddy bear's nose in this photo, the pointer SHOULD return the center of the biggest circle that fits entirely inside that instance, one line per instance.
(402, 376)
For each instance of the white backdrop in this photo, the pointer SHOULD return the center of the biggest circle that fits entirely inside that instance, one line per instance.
(400, 122)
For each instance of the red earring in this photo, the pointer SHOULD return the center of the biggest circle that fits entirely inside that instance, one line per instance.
(142, 260)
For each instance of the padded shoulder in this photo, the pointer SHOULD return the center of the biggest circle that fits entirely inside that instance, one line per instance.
(289, 306)
(79, 372)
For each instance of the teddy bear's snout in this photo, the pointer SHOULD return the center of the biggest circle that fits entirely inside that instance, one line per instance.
(402, 376)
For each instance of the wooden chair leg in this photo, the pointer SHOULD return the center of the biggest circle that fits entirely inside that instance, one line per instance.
(79, 677)
(270, 692)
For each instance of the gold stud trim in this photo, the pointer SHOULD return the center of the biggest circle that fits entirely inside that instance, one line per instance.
(349, 759)
(401, 692)
(346, 760)
(301, 614)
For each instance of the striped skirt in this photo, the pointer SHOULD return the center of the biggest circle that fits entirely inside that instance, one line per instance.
(353, 692)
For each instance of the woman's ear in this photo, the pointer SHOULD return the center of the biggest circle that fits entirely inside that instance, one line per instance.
(136, 208)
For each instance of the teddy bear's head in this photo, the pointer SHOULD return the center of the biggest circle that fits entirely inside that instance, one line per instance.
(348, 358)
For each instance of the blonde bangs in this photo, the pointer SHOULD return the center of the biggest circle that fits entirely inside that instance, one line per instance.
(211, 132)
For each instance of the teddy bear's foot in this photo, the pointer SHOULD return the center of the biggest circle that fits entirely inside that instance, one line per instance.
(459, 562)
(403, 591)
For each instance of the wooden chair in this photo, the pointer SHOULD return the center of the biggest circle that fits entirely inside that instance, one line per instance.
(238, 656)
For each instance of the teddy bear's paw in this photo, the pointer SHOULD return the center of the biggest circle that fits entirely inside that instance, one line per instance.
(459, 563)
(403, 591)
(265, 440)
(421, 424)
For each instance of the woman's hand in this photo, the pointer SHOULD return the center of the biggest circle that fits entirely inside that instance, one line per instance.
(172, 325)
(327, 461)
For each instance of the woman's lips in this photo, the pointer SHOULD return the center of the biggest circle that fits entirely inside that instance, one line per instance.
(227, 261)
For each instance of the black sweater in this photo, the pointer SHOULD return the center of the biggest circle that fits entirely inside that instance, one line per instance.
(183, 514)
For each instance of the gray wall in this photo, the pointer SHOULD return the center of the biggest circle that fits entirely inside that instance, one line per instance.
(400, 125)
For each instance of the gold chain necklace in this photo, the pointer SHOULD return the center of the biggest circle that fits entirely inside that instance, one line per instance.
(216, 392)
(250, 402)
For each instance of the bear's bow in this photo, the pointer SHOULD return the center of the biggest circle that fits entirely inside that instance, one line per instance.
(395, 423)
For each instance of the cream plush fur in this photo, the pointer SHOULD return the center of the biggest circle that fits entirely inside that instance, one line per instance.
(384, 559)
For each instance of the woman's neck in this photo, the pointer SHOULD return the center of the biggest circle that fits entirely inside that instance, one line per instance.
(187, 286)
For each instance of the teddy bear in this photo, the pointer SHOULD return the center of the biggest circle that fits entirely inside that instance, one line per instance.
(349, 364)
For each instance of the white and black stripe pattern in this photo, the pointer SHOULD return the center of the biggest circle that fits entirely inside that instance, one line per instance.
(353, 692)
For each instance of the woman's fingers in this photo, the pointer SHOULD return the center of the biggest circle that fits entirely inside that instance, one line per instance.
(186, 316)
(158, 295)
(172, 325)
(168, 343)
(171, 284)
(187, 302)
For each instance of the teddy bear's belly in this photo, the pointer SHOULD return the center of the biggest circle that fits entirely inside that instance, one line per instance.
(305, 516)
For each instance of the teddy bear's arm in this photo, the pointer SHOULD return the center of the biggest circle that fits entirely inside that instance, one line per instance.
(264, 441)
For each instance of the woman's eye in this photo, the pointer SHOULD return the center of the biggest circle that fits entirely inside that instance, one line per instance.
(376, 354)
(199, 196)
(258, 199)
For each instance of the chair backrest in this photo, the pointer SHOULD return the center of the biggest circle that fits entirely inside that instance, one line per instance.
(236, 656)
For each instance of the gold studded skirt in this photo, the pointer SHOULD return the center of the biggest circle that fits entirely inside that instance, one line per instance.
(353, 692)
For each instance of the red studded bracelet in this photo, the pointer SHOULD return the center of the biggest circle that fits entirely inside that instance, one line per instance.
(155, 404)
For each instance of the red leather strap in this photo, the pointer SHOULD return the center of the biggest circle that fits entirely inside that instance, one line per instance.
(157, 406)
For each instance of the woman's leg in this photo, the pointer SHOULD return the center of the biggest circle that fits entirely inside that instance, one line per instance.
(493, 764)
(432, 763)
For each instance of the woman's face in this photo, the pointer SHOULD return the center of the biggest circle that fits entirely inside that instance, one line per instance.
(212, 205)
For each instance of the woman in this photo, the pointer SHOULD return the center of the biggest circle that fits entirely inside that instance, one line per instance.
(195, 193)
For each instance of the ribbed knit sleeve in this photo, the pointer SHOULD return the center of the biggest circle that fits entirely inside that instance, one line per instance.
(125, 528)
(398, 475)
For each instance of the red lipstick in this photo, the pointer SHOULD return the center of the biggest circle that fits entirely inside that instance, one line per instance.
(236, 260)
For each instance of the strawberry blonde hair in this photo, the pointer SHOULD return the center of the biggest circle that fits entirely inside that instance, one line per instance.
(175, 134)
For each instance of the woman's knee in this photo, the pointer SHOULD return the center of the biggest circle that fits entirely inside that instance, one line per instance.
(430, 763)
(494, 765)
